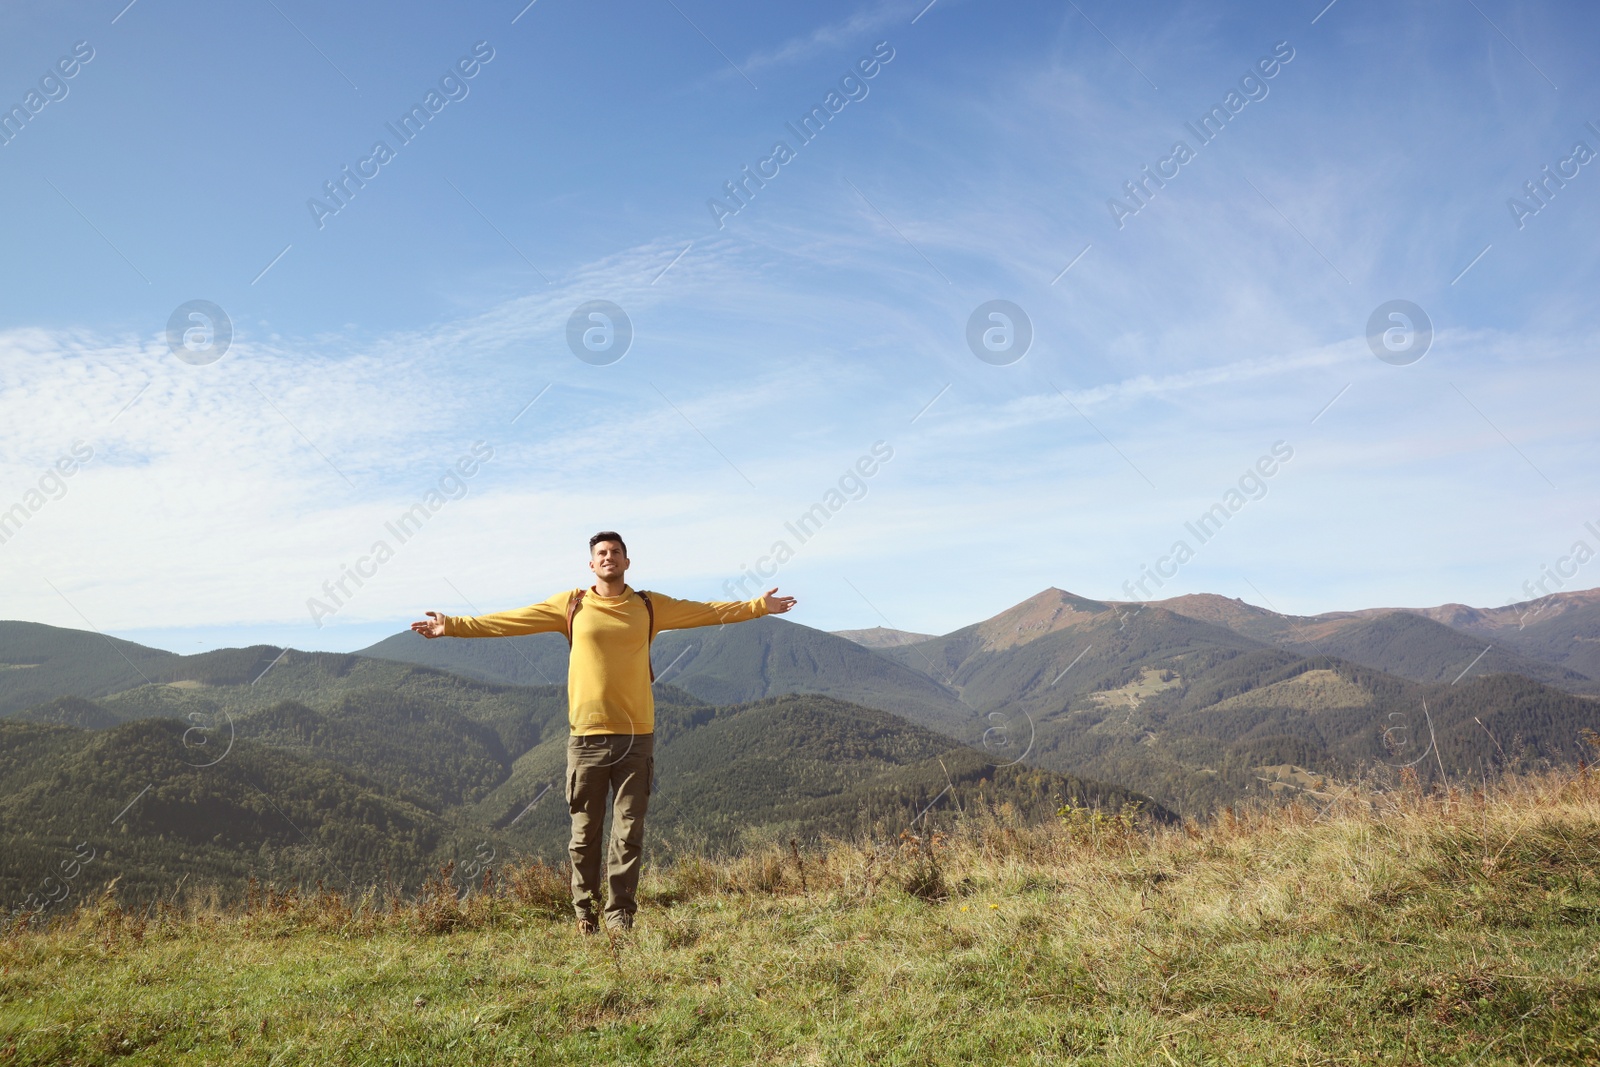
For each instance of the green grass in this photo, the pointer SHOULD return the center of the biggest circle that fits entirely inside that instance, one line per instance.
(1395, 928)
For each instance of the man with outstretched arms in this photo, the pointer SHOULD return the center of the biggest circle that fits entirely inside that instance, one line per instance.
(610, 707)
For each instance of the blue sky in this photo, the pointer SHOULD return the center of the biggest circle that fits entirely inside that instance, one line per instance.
(773, 347)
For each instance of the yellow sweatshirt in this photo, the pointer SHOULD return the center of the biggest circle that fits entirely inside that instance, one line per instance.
(608, 677)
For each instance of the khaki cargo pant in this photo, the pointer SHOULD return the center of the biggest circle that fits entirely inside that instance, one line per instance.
(622, 766)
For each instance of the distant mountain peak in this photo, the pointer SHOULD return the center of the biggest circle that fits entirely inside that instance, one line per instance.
(1231, 612)
(1041, 614)
(882, 637)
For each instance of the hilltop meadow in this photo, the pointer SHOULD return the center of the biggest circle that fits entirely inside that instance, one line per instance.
(1403, 925)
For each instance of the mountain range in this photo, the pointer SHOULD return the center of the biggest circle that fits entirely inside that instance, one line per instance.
(377, 766)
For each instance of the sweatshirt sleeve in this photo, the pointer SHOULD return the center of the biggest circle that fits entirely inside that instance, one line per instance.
(674, 614)
(547, 616)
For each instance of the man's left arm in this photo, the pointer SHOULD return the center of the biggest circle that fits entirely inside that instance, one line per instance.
(675, 614)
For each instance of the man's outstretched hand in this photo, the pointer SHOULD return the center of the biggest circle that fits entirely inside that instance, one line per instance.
(776, 605)
(433, 625)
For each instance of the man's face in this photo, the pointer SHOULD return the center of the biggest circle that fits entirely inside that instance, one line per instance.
(607, 561)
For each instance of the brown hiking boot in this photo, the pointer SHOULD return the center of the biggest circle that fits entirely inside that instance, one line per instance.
(587, 925)
(620, 923)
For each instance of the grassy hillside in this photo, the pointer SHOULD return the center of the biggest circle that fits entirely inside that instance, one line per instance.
(1380, 928)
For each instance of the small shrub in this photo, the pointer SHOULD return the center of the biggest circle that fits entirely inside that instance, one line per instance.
(1092, 826)
(540, 887)
(920, 875)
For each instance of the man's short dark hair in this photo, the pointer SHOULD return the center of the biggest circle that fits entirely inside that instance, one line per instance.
(607, 535)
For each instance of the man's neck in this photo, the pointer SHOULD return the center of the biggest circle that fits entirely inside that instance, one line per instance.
(612, 588)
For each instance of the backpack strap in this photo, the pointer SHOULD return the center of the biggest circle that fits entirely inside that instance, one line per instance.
(650, 610)
(575, 602)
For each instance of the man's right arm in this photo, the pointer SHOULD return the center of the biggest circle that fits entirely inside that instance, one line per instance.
(547, 616)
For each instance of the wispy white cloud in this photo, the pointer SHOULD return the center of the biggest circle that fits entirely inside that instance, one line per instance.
(835, 36)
